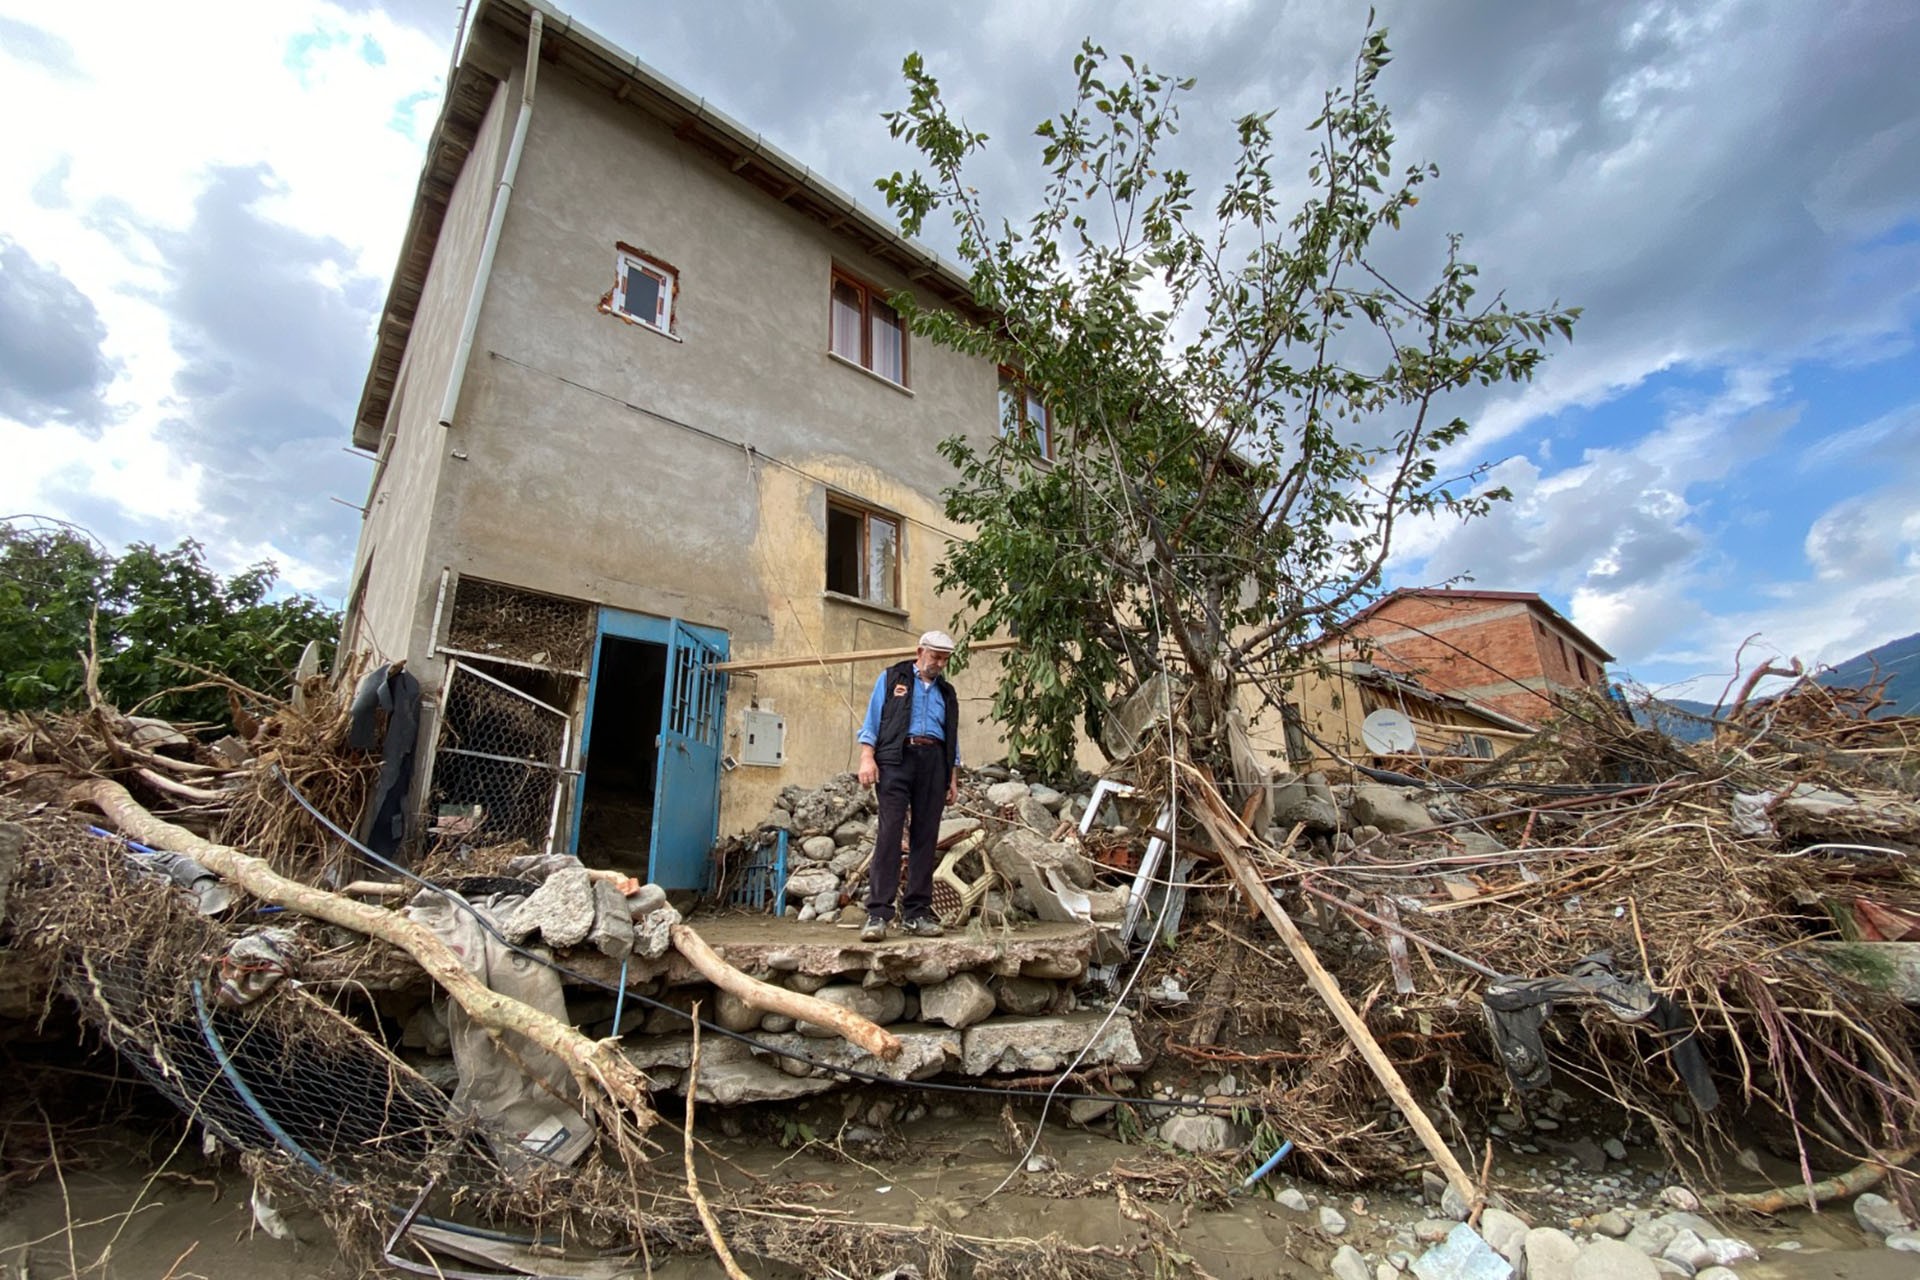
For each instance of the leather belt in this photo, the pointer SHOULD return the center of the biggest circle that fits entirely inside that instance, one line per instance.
(922, 740)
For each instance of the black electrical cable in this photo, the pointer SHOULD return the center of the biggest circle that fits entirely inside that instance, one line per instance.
(931, 1086)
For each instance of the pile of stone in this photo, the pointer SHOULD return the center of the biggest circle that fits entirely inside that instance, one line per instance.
(1350, 814)
(1430, 1239)
(1611, 1245)
(1025, 833)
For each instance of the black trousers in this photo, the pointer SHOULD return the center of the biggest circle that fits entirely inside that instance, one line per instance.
(913, 794)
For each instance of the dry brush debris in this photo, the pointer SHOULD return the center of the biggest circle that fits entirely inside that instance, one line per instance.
(1719, 930)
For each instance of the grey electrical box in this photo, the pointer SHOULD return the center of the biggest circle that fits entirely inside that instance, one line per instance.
(763, 738)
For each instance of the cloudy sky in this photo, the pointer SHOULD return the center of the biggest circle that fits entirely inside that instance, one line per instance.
(199, 207)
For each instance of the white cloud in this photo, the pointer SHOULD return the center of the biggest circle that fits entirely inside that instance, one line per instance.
(143, 112)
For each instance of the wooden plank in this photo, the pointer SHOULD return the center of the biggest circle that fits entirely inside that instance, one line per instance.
(1218, 820)
(840, 659)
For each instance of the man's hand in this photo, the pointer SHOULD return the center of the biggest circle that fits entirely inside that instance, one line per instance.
(869, 769)
(953, 786)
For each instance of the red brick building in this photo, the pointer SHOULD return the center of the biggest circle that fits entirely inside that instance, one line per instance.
(1508, 650)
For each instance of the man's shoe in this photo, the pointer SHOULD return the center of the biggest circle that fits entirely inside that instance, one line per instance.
(925, 927)
(874, 930)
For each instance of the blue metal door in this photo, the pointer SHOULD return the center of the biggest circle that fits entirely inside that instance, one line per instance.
(686, 803)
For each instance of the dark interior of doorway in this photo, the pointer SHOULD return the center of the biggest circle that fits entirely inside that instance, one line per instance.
(623, 754)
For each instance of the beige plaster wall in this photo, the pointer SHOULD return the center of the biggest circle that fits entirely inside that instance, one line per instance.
(688, 476)
(400, 502)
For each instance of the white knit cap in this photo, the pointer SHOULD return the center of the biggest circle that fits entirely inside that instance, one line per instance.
(936, 640)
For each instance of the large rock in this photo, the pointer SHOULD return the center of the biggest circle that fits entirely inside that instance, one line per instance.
(1004, 795)
(1296, 801)
(1506, 1233)
(1550, 1254)
(560, 910)
(850, 859)
(840, 800)
(1047, 796)
(653, 932)
(818, 848)
(1463, 1255)
(879, 1005)
(1023, 996)
(1349, 1264)
(1029, 1045)
(1198, 1133)
(811, 883)
(852, 832)
(1878, 1215)
(1689, 1250)
(612, 932)
(1036, 815)
(1392, 809)
(1023, 856)
(1652, 1237)
(960, 1001)
(1086, 1110)
(733, 1013)
(1612, 1260)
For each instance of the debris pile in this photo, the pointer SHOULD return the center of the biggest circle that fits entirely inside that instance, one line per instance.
(1606, 948)
(998, 844)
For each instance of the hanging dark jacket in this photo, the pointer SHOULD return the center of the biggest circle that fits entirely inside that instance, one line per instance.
(896, 713)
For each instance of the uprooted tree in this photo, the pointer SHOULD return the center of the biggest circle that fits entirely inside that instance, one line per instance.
(1235, 406)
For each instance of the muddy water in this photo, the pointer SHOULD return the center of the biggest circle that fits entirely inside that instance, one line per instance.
(129, 1222)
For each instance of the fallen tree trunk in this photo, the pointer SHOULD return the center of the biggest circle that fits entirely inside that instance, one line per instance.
(1862, 1177)
(845, 1023)
(1222, 825)
(613, 1086)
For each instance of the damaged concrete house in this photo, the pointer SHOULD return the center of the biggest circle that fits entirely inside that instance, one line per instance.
(640, 407)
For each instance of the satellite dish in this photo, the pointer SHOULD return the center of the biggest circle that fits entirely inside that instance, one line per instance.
(1387, 732)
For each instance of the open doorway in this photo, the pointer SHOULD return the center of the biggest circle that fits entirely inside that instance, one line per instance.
(623, 756)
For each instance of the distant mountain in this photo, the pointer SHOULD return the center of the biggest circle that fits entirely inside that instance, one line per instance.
(1897, 662)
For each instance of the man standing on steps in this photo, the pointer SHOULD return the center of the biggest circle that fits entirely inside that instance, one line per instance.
(910, 745)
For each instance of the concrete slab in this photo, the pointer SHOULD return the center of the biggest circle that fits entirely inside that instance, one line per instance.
(1029, 1045)
(768, 948)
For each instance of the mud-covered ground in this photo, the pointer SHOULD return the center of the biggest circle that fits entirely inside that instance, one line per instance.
(108, 1214)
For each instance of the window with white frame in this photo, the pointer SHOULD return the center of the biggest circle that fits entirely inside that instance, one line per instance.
(863, 553)
(645, 289)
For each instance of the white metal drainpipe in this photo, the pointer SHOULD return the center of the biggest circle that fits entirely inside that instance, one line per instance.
(491, 244)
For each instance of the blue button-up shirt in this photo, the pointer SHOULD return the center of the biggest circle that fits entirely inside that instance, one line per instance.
(927, 720)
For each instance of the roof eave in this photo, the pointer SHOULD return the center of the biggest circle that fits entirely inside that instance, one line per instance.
(582, 51)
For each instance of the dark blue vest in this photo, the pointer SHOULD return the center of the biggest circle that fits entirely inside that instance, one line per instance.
(890, 742)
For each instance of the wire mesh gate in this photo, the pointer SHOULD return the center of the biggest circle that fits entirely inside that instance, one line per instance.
(500, 760)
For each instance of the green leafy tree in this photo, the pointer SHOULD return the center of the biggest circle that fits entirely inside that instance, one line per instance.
(1244, 403)
(49, 584)
(157, 614)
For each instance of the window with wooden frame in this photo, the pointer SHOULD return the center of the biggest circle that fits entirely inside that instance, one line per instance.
(1024, 413)
(645, 290)
(863, 329)
(863, 553)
